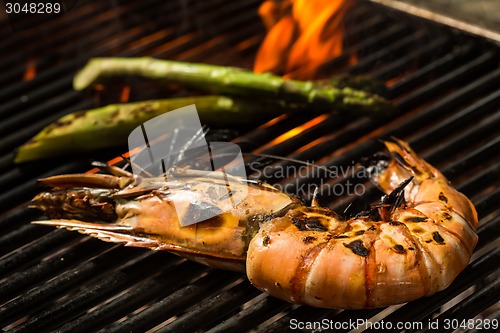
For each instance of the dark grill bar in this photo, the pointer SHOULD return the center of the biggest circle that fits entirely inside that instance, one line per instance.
(444, 82)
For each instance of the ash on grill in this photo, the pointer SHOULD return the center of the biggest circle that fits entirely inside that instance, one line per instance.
(444, 82)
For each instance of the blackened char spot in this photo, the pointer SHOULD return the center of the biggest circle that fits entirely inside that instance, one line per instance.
(399, 249)
(308, 224)
(309, 239)
(437, 237)
(266, 240)
(442, 197)
(358, 248)
(340, 236)
(415, 219)
(446, 216)
(360, 232)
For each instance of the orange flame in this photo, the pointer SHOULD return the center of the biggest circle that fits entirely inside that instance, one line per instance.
(30, 72)
(303, 34)
(125, 95)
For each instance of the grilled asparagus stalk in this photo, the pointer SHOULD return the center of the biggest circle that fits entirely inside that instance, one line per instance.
(237, 82)
(110, 126)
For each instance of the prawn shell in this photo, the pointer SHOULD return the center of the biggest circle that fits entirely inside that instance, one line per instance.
(439, 190)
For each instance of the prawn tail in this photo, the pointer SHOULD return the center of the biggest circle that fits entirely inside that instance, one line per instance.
(408, 162)
(402, 164)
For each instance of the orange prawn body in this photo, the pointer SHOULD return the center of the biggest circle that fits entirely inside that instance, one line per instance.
(305, 255)
(413, 251)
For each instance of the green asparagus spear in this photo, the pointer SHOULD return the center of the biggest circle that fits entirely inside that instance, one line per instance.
(110, 125)
(236, 82)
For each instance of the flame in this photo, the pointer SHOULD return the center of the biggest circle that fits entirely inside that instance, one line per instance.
(118, 159)
(292, 133)
(125, 95)
(30, 72)
(302, 35)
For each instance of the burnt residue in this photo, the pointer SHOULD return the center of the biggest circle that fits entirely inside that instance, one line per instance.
(359, 233)
(442, 197)
(309, 224)
(398, 248)
(266, 240)
(446, 216)
(394, 223)
(340, 236)
(415, 219)
(358, 248)
(308, 239)
(437, 237)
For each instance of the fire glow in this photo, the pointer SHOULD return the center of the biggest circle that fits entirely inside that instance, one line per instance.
(302, 35)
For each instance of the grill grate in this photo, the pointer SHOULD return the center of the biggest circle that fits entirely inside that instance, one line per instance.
(444, 82)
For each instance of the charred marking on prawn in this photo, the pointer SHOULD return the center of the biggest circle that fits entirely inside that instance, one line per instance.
(398, 248)
(442, 197)
(309, 239)
(309, 224)
(437, 237)
(446, 216)
(415, 219)
(358, 248)
(340, 236)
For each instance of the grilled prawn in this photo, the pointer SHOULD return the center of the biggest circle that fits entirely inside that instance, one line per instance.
(412, 244)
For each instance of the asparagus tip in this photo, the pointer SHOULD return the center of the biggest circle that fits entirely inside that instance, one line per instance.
(87, 75)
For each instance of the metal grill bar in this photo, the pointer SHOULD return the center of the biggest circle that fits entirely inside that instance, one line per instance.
(182, 298)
